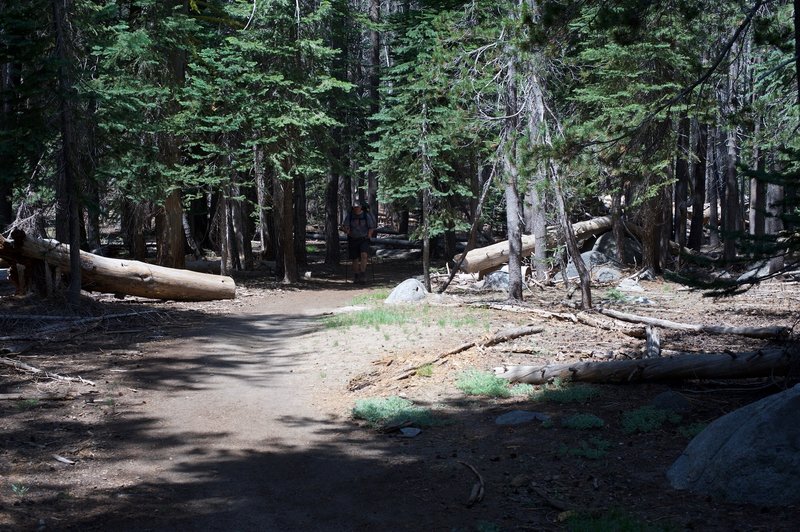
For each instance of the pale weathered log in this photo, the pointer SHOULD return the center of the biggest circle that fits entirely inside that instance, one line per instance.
(483, 342)
(751, 332)
(486, 257)
(763, 363)
(129, 277)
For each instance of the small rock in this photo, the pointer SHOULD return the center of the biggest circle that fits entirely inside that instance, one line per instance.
(629, 285)
(497, 281)
(410, 432)
(520, 480)
(606, 274)
(519, 417)
(673, 401)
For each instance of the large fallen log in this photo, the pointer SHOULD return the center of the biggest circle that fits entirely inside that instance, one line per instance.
(487, 257)
(116, 276)
(774, 332)
(762, 363)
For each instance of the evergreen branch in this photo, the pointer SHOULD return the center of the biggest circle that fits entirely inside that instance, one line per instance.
(690, 88)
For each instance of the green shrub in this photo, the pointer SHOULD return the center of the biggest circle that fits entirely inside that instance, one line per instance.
(522, 389)
(370, 298)
(475, 382)
(583, 422)
(425, 371)
(379, 412)
(593, 449)
(559, 392)
(615, 295)
(647, 419)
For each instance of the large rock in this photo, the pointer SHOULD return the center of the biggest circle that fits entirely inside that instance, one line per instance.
(631, 249)
(596, 263)
(497, 281)
(751, 455)
(408, 291)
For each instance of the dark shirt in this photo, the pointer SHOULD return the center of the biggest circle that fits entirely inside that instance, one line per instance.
(359, 224)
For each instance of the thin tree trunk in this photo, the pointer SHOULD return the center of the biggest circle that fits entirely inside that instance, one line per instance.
(262, 197)
(731, 212)
(426, 237)
(287, 230)
(7, 176)
(758, 189)
(374, 94)
(300, 219)
(616, 225)
(712, 190)
(572, 243)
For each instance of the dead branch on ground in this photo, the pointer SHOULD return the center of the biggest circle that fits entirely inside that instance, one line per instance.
(751, 332)
(21, 366)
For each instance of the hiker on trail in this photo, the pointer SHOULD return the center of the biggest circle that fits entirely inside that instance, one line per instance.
(359, 226)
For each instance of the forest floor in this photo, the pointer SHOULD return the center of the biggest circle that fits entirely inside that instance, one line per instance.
(237, 415)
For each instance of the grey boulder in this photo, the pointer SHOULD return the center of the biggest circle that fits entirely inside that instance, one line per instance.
(408, 291)
(751, 455)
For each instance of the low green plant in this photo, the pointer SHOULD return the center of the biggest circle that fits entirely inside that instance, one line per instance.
(383, 411)
(592, 449)
(475, 382)
(311, 248)
(560, 392)
(522, 389)
(19, 490)
(425, 371)
(692, 430)
(369, 298)
(616, 520)
(27, 404)
(373, 317)
(647, 419)
(614, 294)
(583, 422)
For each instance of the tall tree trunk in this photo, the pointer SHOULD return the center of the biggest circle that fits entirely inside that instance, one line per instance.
(284, 189)
(731, 212)
(223, 226)
(774, 220)
(616, 224)
(67, 162)
(426, 237)
(300, 220)
(698, 187)
(374, 94)
(712, 189)
(7, 83)
(262, 195)
(758, 189)
(682, 181)
(332, 217)
(510, 155)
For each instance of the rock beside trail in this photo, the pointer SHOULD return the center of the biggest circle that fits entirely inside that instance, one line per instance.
(631, 249)
(408, 291)
(601, 268)
(497, 281)
(751, 455)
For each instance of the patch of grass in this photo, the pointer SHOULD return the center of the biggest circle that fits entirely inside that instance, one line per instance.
(647, 419)
(27, 404)
(425, 371)
(616, 520)
(615, 295)
(583, 422)
(522, 389)
(374, 317)
(475, 382)
(592, 449)
(560, 392)
(19, 490)
(383, 411)
(371, 297)
(692, 430)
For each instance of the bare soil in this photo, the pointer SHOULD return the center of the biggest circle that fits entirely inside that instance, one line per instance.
(236, 415)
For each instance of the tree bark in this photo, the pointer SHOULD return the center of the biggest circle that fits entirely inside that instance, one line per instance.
(572, 243)
(68, 171)
(682, 181)
(763, 363)
(698, 187)
(287, 229)
(103, 274)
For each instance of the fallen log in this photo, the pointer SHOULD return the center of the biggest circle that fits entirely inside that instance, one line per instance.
(762, 363)
(751, 332)
(495, 254)
(116, 276)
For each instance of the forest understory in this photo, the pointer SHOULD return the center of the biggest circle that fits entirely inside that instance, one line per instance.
(65, 443)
